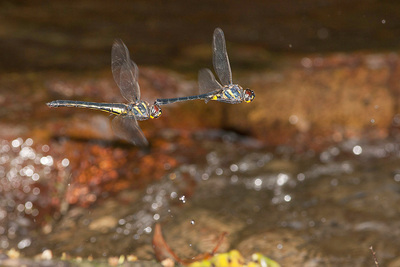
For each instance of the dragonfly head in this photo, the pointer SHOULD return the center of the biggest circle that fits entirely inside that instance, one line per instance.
(155, 111)
(248, 95)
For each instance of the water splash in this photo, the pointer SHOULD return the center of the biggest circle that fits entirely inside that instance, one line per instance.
(28, 176)
(154, 205)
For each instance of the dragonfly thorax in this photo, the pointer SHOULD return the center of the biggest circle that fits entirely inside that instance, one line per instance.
(140, 110)
(232, 94)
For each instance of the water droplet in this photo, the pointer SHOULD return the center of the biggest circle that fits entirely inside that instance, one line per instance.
(234, 179)
(29, 142)
(65, 162)
(44, 160)
(45, 148)
(306, 62)
(357, 150)
(35, 212)
(192, 222)
(183, 199)
(6, 147)
(154, 206)
(21, 207)
(16, 142)
(205, 176)
(172, 176)
(301, 177)
(28, 205)
(35, 177)
(24, 243)
(29, 172)
(4, 243)
(287, 198)
(167, 166)
(219, 171)
(282, 179)
(234, 168)
(26, 189)
(325, 156)
(244, 166)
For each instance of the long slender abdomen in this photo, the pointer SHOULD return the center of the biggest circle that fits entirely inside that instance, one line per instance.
(114, 108)
(180, 99)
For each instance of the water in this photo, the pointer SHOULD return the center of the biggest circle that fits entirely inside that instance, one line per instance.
(32, 184)
(326, 208)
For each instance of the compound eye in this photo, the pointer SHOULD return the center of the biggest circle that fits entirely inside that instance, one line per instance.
(155, 111)
(249, 95)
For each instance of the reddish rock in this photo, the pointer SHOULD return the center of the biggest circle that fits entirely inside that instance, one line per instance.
(319, 98)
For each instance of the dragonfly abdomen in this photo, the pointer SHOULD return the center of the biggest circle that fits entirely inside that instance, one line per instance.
(114, 108)
(180, 99)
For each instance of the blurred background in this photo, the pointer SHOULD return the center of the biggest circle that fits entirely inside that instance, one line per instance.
(69, 36)
(307, 174)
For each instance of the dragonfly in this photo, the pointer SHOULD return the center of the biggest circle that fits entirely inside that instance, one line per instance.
(125, 73)
(209, 87)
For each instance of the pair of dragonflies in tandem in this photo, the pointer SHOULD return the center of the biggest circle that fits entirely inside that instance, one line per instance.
(125, 73)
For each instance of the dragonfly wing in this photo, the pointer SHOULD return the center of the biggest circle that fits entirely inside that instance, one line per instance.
(207, 82)
(220, 58)
(125, 72)
(127, 128)
(129, 85)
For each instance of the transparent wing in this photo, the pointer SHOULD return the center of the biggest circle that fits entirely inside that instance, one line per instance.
(129, 85)
(207, 82)
(125, 72)
(220, 58)
(127, 128)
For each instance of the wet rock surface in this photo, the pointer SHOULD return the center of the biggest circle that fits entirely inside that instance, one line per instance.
(299, 209)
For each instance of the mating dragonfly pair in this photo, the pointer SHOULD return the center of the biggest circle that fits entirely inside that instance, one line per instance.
(125, 73)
